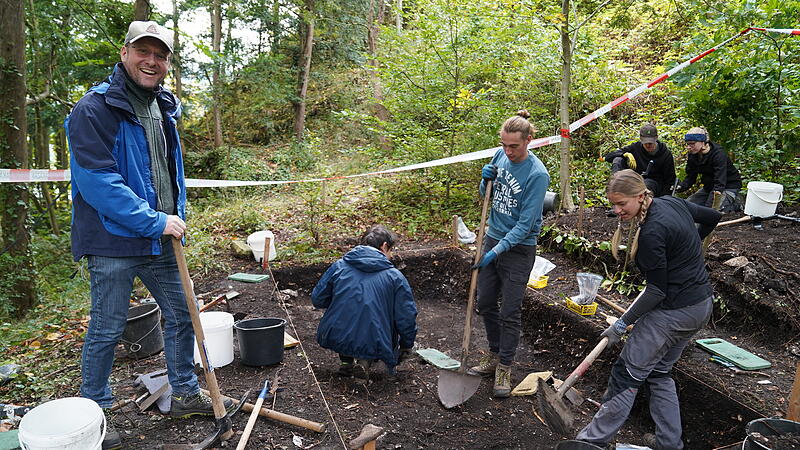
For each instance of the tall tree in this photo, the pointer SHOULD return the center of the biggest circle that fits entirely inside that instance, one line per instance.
(176, 59)
(216, 82)
(304, 65)
(19, 286)
(563, 109)
(374, 22)
(141, 10)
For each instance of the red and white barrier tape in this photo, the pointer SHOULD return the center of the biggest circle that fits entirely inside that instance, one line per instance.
(39, 175)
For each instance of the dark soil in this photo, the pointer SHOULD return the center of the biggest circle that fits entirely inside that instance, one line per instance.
(757, 310)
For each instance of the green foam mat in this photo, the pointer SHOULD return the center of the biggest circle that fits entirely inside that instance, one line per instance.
(737, 355)
(438, 358)
(248, 277)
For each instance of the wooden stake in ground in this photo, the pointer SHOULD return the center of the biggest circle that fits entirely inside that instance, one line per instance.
(793, 409)
(265, 258)
(455, 231)
(581, 199)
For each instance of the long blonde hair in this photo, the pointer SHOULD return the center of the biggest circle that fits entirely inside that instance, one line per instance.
(630, 184)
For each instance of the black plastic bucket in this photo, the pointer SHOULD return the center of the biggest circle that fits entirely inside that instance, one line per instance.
(551, 203)
(260, 340)
(576, 445)
(768, 427)
(142, 336)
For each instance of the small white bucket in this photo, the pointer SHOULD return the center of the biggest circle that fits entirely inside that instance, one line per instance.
(218, 331)
(762, 198)
(65, 424)
(256, 243)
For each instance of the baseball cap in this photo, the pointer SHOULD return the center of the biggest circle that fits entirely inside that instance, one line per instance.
(139, 29)
(648, 134)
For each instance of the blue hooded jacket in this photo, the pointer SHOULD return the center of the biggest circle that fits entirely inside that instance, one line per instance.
(370, 307)
(113, 198)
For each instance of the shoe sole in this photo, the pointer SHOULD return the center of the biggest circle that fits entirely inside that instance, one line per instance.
(496, 394)
(480, 374)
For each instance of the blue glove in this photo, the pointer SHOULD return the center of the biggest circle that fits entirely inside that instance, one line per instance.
(489, 172)
(615, 332)
(486, 260)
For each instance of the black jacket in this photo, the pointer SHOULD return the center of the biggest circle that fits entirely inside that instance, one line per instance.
(716, 170)
(663, 170)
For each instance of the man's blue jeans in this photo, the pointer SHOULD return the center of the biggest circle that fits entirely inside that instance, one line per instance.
(111, 286)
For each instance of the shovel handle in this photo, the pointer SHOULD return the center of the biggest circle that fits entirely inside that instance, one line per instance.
(191, 304)
(582, 367)
(473, 283)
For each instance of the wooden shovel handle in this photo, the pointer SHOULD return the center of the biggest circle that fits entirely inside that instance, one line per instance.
(191, 304)
(251, 422)
(279, 416)
(582, 367)
(473, 283)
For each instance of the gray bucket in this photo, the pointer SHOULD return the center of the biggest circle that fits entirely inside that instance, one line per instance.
(260, 340)
(550, 202)
(142, 336)
(767, 428)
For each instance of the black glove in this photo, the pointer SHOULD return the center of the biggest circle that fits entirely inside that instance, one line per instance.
(405, 353)
(489, 172)
(681, 187)
(615, 332)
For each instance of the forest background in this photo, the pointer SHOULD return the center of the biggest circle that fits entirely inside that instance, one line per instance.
(323, 88)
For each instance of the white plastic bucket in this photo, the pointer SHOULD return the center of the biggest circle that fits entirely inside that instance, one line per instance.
(67, 423)
(256, 243)
(218, 331)
(762, 198)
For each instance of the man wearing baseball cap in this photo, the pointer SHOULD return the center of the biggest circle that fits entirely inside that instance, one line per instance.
(129, 201)
(649, 157)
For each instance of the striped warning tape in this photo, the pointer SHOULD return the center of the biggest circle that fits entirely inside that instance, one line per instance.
(39, 175)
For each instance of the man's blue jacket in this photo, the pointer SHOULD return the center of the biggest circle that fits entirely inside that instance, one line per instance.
(370, 307)
(113, 199)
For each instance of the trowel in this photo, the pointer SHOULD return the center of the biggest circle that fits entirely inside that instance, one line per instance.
(457, 386)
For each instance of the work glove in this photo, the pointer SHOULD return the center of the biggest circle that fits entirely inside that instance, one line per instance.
(615, 332)
(489, 172)
(486, 260)
(681, 187)
(631, 160)
(405, 353)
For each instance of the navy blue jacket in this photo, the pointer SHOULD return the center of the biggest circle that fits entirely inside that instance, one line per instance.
(113, 198)
(370, 308)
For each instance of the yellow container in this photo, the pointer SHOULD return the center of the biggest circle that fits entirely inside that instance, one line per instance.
(538, 283)
(584, 310)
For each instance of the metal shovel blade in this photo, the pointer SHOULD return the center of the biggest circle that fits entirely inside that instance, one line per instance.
(456, 387)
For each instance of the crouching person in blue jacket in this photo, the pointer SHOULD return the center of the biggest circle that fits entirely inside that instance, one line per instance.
(370, 311)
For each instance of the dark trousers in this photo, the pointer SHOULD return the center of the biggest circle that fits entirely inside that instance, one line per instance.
(508, 277)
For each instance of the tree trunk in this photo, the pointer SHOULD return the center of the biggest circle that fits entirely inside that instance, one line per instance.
(20, 289)
(141, 10)
(304, 64)
(176, 61)
(373, 29)
(563, 110)
(398, 15)
(216, 24)
(275, 27)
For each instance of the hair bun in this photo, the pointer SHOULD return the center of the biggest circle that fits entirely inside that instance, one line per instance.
(524, 113)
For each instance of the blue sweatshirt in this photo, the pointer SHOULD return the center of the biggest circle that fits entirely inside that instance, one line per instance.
(517, 200)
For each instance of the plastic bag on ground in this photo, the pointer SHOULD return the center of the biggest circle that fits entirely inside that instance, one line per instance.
(541, 267)
(464, 235)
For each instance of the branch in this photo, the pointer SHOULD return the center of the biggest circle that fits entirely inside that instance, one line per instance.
(588, 18)
(36, 99)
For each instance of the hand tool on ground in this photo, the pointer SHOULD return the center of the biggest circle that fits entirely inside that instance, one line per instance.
(456, 387)
(153, 397)
(280, 417)
(366, 439)
(253, 416)
(224, 430)
(552, 408)
(220, 299)
(729, 365)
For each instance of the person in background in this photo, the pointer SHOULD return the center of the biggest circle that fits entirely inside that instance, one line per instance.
(648, 157)
(370, 313)
(718, 175)
(520, 182)
(129, 200)
(675, 304)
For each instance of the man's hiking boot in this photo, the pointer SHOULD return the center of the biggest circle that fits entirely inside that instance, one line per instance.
(195, 405)
(112, 440)
(346, 369)
(486, 367)
(502, 381)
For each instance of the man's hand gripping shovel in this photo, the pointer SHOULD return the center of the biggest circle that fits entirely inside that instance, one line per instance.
(224, 429)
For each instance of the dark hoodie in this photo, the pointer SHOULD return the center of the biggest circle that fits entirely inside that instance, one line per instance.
(663, 169)
(716, 171)
(371, 312)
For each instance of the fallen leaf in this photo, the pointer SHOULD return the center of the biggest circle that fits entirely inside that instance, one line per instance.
(35, 344)
(53, 336)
